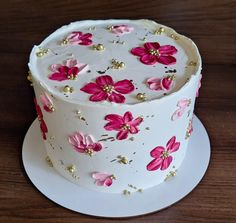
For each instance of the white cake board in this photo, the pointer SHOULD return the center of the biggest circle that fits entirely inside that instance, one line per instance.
(82, 200)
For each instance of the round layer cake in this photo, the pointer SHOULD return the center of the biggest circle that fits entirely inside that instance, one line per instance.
(115, 101)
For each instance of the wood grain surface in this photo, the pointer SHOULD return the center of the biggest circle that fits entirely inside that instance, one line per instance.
(211, 24)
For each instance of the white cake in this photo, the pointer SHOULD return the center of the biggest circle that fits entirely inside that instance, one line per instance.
(115, 101)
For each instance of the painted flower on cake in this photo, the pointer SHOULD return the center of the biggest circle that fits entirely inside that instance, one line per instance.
(153, 53)
(84, 143)
(42, 123)
(161, 84)
(189, 129)
(182, 104)
(69, 70)
(80, 38)
(162, 158)
(103, 179)
(123, 124)
(199, 85)
(105, 88)
(47, 102)
(121, 29)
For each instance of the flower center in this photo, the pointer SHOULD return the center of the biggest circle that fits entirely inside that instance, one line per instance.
(71, 76)
(165, 154)
(154, 52)
(108, 89)
(89, 151)
(126, 127)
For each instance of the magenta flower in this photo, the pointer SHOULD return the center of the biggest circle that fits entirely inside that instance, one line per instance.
(199, 85)
(105, 88)
(182, 104)
(84, 143)
(80, 38)
(161, 84)
(67, 71)
(103, 179)
(42, 123)
(152, 53)
(125, 125)
(47, 102)
(161, 155)
(121, 29)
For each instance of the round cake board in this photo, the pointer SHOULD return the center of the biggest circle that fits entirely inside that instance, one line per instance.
(82, 200)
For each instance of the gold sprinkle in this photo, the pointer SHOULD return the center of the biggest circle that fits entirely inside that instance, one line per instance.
(99, 47)
(159, 31)
(192, 63)
(122, 159)
(140, 190)
(71, 168)
(110, 28)
(170, 175)
(126, 192)
(49, 161)
(52, 137)
(144, 39)
(174, 37)
(68, 89)
(64, 42)
(117, 64)
(141, 96)
(42, 52)
(113, 177)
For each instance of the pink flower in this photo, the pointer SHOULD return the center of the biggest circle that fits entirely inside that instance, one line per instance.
(152, 53)
(103, 179)
(105, 88)
(125, 125)
(189, 129)
(182, 104)
(80, 38)
(47, 102)
(68, 71)
(163, 84)
(42, 123)
(84, 143)
(121, 29)
(199, 85)
(161, 155)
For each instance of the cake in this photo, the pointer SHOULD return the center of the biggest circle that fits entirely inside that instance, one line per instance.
(115, 101)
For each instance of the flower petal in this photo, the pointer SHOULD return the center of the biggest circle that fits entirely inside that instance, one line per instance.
(124, 86)
(115, 118)
(154, 83)
(104, 80)
(133, 130)
(166, 162)
(123, 134)
(137, 121)
(71, 63)
(170, 143)
(91, 88)
(128, 117)
(152, 45)
(96, 147)
(100, 96)
(167, 60)
(100, 176)
(148, 59)
(113, 126)
(177, 114)
(58, 77)
(157, 152)
(154, 164)
(167, 50)
(118, 98)
(86, 42)
(73, 70)
(138, 51)
(86, 36)
(108, 182)
(55, 67)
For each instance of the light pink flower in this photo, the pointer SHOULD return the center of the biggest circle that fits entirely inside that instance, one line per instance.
(84, 143)
(42, 123)
(124, 124)
(121, 29)
(67, 71)
(189, 129)
(161, 84)
(199, 85)
(46, 102)
(152, 53)
(80, 38)
(182, 104)
(161, 155)
(106, 89)
(103, 179)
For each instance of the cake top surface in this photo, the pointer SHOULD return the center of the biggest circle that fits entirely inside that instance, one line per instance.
(114, 62)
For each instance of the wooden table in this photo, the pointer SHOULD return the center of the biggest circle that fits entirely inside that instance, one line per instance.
(211, 24)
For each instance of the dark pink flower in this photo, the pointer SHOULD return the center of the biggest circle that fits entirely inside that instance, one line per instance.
(46, 102)
(67, 71)
(161, 155)
(103, 179)
(84, 143)
(121, 29)
(105, 88)
(199, 85)
(161, 84)
(152, 53)
(125, 125)
(80, 38)
(42, 123)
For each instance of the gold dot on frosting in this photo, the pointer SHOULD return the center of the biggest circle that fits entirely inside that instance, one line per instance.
(71, 168)
(99, 47)
(141, 96)
(68, 89)
(49, 161)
